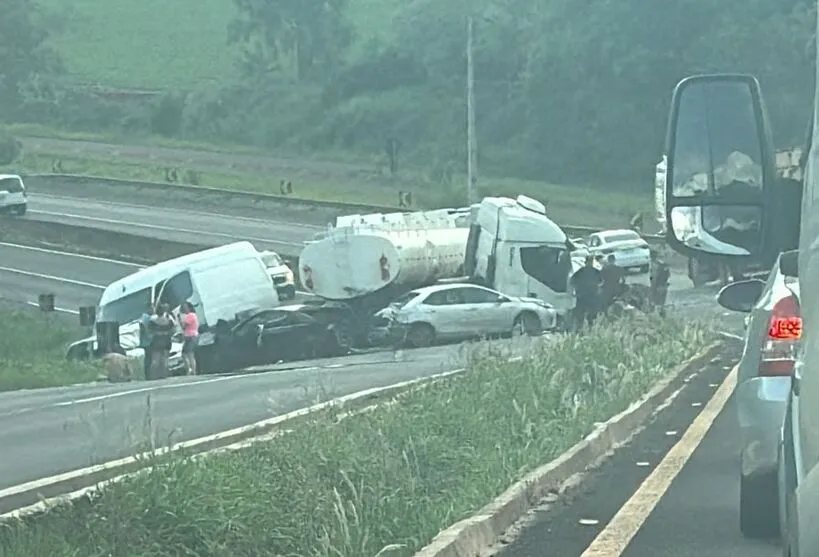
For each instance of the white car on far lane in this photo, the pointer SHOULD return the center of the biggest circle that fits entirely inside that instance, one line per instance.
(281, 274)
(450, 312)
(13, 198)
(629, 249)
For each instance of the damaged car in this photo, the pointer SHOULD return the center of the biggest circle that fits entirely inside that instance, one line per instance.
(453, 312)
(270, 336)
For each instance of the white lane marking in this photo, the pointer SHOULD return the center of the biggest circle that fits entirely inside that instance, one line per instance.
(168, 228)
(69, 254)
(732, 336)
(52, 277)
(613, 540)
(186, 212)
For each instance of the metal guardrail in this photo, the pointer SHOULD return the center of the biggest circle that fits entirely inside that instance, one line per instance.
(350, 208)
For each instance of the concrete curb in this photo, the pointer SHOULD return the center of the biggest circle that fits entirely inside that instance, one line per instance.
(472, 536)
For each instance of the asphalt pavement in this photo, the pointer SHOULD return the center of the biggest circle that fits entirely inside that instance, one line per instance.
(175, 224)
(49, 431)
(697, 516)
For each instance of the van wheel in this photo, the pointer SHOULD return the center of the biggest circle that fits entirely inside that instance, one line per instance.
(421, 335)
(759, 507)
(527, 324)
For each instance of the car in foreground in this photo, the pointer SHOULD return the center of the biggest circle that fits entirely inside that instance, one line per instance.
(630, 250)
(269, 336)
(282, 275)
(772, 338)
(452, 312)
(13, 198)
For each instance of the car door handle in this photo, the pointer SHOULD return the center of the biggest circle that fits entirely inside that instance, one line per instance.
(471, 309)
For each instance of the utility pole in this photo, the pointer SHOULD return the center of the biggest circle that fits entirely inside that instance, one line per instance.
(471, 141)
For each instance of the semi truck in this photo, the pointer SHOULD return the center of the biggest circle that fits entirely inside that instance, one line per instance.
(363, 262)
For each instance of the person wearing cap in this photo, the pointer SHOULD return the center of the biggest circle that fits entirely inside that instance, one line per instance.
(659, 277)
(586, 282)
(162, 326)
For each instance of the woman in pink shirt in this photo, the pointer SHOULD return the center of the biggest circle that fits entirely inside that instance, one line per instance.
(190, 334)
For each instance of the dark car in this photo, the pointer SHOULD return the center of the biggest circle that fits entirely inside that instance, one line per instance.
(272, 335)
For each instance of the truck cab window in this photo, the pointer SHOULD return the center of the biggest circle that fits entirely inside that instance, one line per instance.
(547, 265)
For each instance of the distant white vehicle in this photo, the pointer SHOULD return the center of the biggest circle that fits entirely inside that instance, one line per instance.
(460, 311)
(281, 274)
(13, 197)
(629, 249)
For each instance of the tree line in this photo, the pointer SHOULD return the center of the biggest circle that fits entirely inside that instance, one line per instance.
(566, 91)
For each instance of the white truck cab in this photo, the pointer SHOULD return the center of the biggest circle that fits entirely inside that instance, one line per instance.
(515, 248)
(13, 199)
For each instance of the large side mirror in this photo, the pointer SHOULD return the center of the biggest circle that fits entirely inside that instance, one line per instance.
(741, 296)
(719, 167)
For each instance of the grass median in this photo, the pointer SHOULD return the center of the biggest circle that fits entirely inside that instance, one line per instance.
(379, 483)
(32, 352)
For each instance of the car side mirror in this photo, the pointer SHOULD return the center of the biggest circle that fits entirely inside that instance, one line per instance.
(720, 168)
(741, 296)
(501, 300)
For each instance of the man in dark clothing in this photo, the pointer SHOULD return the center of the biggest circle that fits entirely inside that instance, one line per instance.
(659, 278)
(613, 279)
(161, 327)
(586, 283)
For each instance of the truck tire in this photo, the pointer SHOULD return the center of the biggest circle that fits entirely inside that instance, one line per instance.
(759, 507)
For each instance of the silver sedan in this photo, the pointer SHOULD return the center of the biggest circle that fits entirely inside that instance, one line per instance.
(460, 311)
(773, 331)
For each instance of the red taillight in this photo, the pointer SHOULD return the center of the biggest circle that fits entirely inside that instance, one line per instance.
(784, 333)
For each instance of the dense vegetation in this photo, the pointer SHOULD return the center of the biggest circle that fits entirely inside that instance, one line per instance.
(566, 92)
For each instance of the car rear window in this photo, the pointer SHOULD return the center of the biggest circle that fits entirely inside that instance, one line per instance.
(11, 185)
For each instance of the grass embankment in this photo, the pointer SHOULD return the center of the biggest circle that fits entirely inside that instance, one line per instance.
(392, 478)
(32, 352)
(569, 205)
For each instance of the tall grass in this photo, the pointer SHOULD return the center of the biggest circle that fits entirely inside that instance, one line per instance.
(380, 483)
(32, 352)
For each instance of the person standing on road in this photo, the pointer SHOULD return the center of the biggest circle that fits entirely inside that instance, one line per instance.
(145, 339)
(659, 278)
(586, 283)
(613, 279)
(162, 327)
(189, 322)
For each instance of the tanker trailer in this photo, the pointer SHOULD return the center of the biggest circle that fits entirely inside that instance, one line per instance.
(370, 259)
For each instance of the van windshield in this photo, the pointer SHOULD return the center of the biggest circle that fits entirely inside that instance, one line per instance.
(126, 309)
(11, 185)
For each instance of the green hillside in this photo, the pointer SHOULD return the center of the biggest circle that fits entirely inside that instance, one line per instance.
(155, 44)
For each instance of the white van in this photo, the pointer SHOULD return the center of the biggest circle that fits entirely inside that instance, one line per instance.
(220, 282)
(13, 198)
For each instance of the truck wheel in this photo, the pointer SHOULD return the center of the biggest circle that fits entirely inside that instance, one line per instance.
(759, 507)
(420, 335)
(527, 324)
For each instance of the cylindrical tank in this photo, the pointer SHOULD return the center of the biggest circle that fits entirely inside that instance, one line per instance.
(354, 261)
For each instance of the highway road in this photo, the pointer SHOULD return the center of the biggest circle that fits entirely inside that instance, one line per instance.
(176, 224)
(49, 431)
(682, 511)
